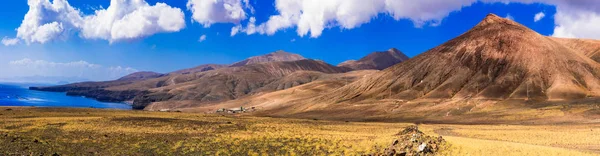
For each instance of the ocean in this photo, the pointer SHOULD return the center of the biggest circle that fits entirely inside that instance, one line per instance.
(20, 95)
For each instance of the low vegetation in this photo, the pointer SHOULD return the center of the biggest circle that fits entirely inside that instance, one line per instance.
(25, 131)
(47, 131)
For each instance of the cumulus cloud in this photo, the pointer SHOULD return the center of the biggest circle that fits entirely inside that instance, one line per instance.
(122, 20)
(208, 12)
(202, 38)
(80, 69)
(10, 41)
(573, 18)
(577, 19)
(539, 16)
(131, 19)
(47, 21)
(311, 17)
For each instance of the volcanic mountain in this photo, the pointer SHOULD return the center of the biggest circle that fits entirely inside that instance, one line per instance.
(498, 59)
(278, 56)
(376, 60)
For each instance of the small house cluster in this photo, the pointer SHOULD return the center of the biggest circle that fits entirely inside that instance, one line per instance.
(235, 110)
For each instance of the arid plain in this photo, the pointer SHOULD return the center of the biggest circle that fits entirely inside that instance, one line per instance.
(35, 131)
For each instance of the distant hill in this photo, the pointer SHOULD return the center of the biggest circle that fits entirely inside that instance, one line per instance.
(235, 82)
(206, 83)
(376, 60)
(201, 68)
(278, 56)
(141, 76)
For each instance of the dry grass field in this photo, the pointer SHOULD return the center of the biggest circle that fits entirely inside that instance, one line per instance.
(65, 131)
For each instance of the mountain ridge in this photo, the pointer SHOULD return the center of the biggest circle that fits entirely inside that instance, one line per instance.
(376, 60)
(277, 56)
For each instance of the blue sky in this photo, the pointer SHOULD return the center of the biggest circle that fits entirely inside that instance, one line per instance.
(171, 50)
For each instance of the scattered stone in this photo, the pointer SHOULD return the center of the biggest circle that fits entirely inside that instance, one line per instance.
(411, 141)
(8, 109)
(36, 141)
(391, 152)
(422, 147)
(55, 154)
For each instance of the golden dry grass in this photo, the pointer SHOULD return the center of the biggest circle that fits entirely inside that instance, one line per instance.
(25, 131)
(583, 137)
(110, 132)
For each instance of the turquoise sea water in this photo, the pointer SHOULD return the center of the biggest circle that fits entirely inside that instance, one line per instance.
(20, 95)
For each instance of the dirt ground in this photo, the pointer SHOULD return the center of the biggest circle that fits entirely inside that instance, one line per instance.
(67, 131)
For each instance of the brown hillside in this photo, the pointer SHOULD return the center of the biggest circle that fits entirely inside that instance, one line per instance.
(201, 68)
(235, 82)
(298, 90)
(590, 48)
(376, 60)
(497, 59)
(277, 56)
(141, 76)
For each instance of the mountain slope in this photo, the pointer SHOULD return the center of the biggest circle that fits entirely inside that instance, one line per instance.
(235, 82)
(278, 56)
(136, 84)
(590, 48)
(201, 68)
(141, 76)
(376, 60)
(497, 59)
(288, 91)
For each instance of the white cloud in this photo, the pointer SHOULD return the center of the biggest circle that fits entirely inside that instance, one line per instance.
(80, 69)
(122, 20)
(131, 19)
(508, 16)
(579, 24)
(250, 28)
(46, 21)
(577, 19)
(10, 41)
(202, 38)
(208, 12)
(313, 16)
(573, 18)
(539, 16)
